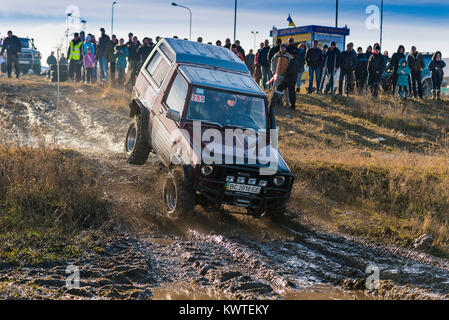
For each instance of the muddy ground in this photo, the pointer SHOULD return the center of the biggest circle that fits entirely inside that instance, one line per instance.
(209, 255)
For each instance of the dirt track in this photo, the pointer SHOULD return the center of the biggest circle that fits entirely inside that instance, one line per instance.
(207, 255)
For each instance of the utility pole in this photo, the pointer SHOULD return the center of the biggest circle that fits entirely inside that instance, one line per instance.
(235, 19)
(336, 13)
(381, 21)
(190, 14)
(112, 17)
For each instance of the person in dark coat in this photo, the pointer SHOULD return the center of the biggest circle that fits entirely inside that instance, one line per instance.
(240, 49)
(112, 62)
(13, 47)
(275, 49)
(333, 63)
(249, 61)
(52, 63)
(348, 62)
(144, 51)
(376, 65)
(133, 59)
(300, 59)
(397, 56)
(289, 81)
(436, 68)
(228, 44)
(416, 64)
(361, 70)
(292, 48)
(262, 60)
(314, 59)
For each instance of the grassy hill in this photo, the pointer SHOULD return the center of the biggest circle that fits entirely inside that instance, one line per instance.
(372, 168)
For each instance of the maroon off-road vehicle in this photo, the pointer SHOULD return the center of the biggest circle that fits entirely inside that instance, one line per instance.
(188, 98)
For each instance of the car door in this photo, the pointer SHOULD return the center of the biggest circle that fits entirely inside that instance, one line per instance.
(164, 127)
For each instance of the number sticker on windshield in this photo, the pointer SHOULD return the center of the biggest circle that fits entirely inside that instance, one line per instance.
(198, 98)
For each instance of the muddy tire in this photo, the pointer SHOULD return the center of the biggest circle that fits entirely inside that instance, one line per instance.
(277, 211)
(179, 198)
(137, 147)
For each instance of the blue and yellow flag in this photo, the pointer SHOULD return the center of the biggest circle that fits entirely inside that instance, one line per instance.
(290, 21)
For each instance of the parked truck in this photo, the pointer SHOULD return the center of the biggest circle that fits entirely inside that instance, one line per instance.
(29, 58)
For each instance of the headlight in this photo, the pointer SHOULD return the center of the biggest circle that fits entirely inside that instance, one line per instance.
(230, 179)
(206, 170)
(241, 180)
(278, 180)
(252, 181)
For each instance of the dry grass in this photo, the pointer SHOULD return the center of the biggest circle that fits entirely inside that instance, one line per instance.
(47, 198)
(389, 189)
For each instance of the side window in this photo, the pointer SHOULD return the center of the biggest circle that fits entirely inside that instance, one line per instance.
(158, 68)
(177, 96)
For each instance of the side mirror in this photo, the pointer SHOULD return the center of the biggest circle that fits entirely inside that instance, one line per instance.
(173, 114)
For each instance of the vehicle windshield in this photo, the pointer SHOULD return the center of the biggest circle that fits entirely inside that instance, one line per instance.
(25, 43)
(227, 109)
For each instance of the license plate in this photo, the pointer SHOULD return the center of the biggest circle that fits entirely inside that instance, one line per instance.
(242, 188)
(23, 62)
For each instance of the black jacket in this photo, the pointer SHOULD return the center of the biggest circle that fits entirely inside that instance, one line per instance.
(143, 53)
(416, 62)
(396, 58)
(262, 59)
(249, 60)
(292, 71)
(314, 57)
(348, 60)
(51, 60)
(440, 64)
(132, 48)
(376, 64)
(300, 59)
(333, 59)
(292, 49)
(12, 45)
(362, 64)
(272, 52)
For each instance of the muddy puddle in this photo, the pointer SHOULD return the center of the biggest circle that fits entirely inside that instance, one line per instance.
(187, 291)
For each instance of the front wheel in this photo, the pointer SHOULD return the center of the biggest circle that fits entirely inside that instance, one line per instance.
(137, 147)
(179, 198)
(276, 211)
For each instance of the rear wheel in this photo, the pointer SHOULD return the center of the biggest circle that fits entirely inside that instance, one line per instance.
(179, 198)
(137, 147)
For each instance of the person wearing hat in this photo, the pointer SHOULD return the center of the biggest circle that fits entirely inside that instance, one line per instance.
(376, 65)
(75, 56)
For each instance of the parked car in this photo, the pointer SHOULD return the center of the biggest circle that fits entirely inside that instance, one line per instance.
(183, 84)
(29, 59)
(426, 77)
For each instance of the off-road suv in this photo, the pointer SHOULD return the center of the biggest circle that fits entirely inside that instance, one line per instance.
(198, 108)
(29, 57)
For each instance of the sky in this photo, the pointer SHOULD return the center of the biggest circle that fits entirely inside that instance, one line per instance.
(421, 23)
